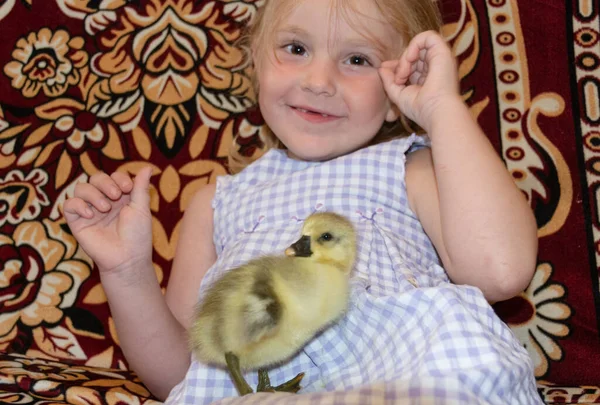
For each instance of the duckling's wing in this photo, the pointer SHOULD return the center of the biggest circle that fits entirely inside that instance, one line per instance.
(262, 307)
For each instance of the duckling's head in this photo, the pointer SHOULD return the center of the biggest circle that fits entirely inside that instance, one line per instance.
(328, 238)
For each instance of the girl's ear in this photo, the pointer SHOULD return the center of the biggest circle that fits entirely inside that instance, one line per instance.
(393, 112)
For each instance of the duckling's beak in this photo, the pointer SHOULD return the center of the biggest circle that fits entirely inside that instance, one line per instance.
(301, 248)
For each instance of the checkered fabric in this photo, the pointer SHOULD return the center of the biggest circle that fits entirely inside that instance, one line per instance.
(408, 333)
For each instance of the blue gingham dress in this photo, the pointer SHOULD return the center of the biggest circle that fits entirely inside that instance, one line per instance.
(408, 335)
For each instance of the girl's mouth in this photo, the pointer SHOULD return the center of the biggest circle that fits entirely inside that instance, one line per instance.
(314, 116)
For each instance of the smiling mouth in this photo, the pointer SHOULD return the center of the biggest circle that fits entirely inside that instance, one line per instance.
(314, 116)
(302, 110)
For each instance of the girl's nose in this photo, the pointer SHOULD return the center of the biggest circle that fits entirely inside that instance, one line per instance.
(320, 78)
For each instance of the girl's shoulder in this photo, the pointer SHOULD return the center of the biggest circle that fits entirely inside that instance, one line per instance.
(398, 146)
(391, 154)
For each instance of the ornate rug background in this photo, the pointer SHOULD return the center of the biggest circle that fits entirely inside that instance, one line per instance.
(91, 85)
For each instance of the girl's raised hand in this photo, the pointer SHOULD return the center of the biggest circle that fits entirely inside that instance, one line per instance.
(110, 218)
(423, 77)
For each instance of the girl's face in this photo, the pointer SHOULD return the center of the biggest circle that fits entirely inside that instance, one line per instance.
(319, 87)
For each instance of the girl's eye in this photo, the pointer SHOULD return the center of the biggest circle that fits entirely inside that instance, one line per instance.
(359, 60)
(295, 49)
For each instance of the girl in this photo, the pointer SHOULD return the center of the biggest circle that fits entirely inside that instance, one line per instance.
(333, 78)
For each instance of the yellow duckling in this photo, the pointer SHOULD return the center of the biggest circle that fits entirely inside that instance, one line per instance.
(260, 314)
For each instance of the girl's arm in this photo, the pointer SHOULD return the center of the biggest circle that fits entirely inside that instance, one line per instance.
(118, 237)
(160, 354)
(478, 220)
(151, 338)
(194, 256)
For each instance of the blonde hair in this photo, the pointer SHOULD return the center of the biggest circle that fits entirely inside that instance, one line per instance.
(406, 17)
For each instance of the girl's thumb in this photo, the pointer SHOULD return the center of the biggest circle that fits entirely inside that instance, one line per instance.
(141, 186)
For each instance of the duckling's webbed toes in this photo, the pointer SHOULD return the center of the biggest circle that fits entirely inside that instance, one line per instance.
(292, 385)
(264, 384)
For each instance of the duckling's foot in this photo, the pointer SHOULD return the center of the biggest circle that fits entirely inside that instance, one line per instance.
(292, 385)
(264, 384)
(233, 364)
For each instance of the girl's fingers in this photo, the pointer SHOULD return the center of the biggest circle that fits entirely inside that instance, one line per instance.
(123, 181)
(390, 64)
(423, 46)
(386, 74)
(417, 48)
(106, 185)
(415, 77)
(100, 192)
(75, 207)
(389, 84)
(92, 195)
(403, 71)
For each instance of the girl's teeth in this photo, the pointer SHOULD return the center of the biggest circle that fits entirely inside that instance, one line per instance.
(311, 112)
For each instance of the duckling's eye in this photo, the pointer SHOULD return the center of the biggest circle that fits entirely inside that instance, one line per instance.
(326, 237)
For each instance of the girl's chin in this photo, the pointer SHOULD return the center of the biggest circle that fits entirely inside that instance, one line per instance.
(310, 156)
(318, 150)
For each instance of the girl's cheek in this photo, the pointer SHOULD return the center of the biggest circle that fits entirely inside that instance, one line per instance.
(283, 67)
(364, 84)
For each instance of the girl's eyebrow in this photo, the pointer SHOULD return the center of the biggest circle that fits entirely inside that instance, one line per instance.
(360, 43)
(293, 29)
(365, 44)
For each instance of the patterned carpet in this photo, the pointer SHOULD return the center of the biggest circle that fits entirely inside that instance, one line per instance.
(90, 85)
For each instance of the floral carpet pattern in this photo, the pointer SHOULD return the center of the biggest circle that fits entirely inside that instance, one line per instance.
(89, 85)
